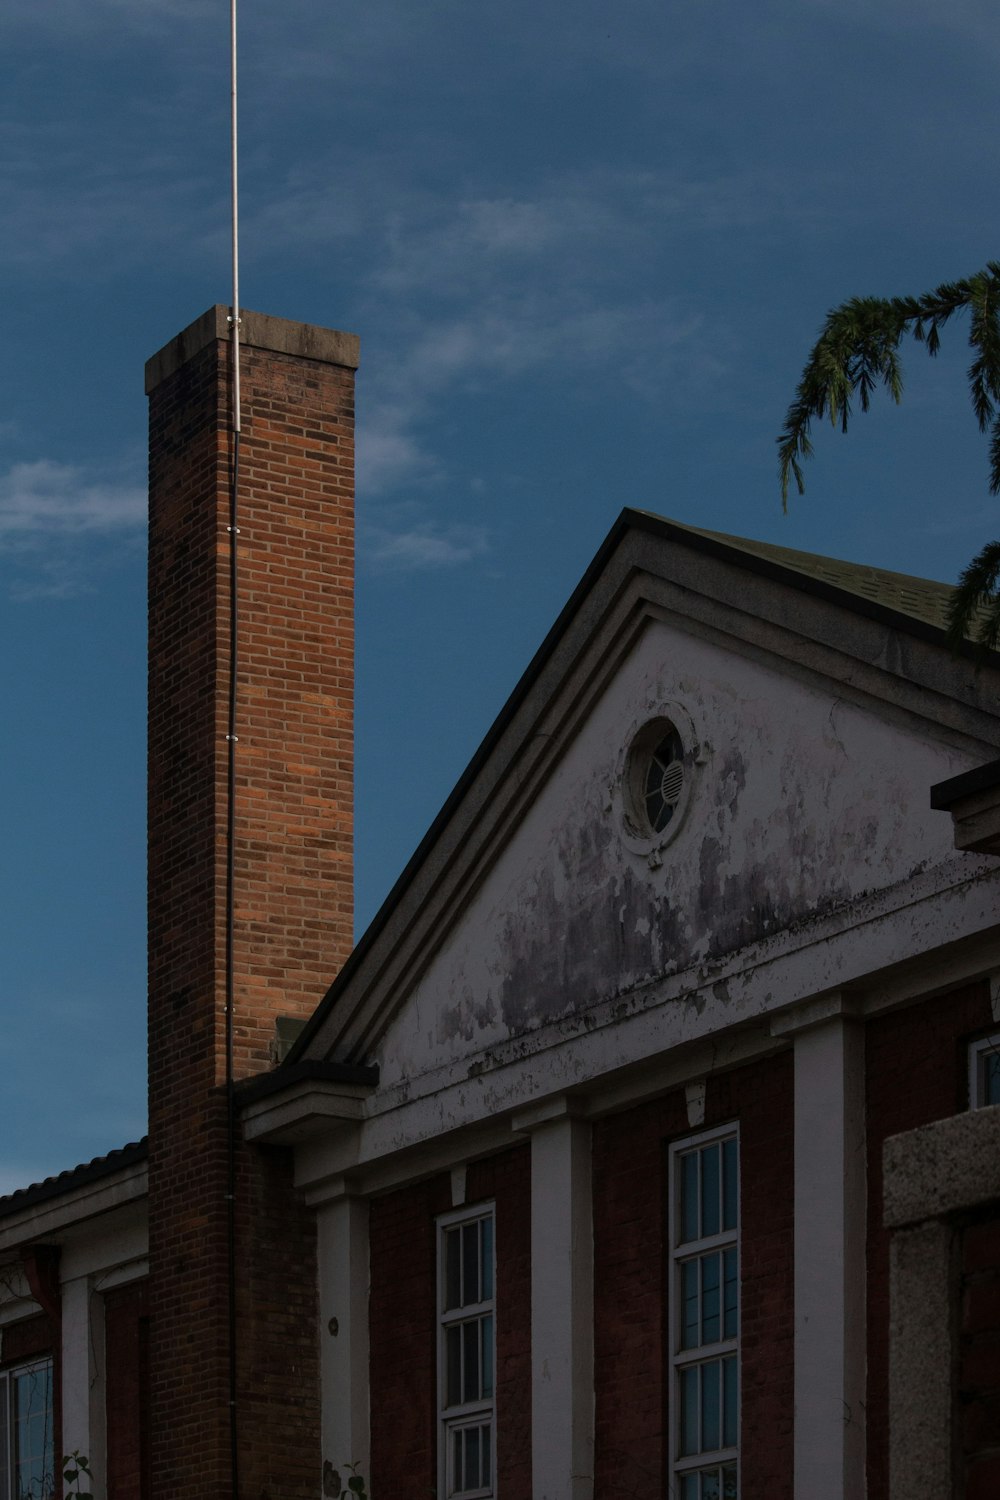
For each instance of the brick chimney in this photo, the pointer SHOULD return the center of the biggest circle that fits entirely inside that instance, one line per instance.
(293, 868)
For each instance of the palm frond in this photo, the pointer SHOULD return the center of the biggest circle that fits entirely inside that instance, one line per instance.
(858, 349)
(976, 595)
(995, 458)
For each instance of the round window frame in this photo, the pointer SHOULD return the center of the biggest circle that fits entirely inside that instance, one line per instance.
(643, 738)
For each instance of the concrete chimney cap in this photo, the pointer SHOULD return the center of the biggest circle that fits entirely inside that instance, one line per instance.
(257, 331)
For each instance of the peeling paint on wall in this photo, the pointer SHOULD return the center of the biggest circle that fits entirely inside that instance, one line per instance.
(804, 802)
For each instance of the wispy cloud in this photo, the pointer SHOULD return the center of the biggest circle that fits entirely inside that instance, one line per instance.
(108, 203)
(387, 455)
(470, 295)
(599, 225)
(61, 526)
(471, 350)
(422, 547)
(45, 498)
(482, 293)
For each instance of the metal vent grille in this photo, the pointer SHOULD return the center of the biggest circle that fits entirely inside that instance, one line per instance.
(664, 781)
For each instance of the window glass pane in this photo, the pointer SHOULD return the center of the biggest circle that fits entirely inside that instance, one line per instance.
(730, 1402)
(689, 1197)
(710, 1485)
(711, 1321)
(34, 1459)
(470, 1264)
(729, 1184)
(689, 1305)
(689, 1412)
(470, 1362)
(729, 1482)
(710, 1190)
(487, 1352)
(453, 1361)
(689, 1487)
(711, 1414)
(688, 1424)
(487, 1258)
(472, 1476)
(457, 1478)
(453, 1272)
(487, 1455)
(731, 1297)
(991, 1077)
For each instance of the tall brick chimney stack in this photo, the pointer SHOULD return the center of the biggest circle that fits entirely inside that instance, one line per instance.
(293, 867)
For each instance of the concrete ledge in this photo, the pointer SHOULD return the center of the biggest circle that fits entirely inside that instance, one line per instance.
(257, 331)
(943, 1168)
(308, 1109)
(973, 799)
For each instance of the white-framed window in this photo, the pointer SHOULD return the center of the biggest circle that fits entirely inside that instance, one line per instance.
(467, 1352)
(704, 1301)
(984, 1071)
(27, 1446)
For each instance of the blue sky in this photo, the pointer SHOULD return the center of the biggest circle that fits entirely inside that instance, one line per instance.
(586, 247)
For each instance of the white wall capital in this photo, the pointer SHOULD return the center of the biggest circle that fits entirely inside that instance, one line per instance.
(815, 1010)
(548, 1112)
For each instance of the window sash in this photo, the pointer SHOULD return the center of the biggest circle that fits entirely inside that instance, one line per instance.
(984, 1071)
(27, 1453)
(466, 1269)
(704, 1305)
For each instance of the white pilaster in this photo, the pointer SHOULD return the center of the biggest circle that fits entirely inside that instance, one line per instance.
(344, 1276)
(83, 1422)
(562, 1304)
(830, 1217)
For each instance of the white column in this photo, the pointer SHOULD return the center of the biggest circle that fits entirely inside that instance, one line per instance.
(83, 1427)
(344, 1277)
(562, 1303)
(830, 1217)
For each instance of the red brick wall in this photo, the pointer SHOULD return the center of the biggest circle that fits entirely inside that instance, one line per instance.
(404, 1330)
(916, 1072)
(126, 1343)
(630, 1280)
(979, 1351)
(32, 1338)
(293, 874)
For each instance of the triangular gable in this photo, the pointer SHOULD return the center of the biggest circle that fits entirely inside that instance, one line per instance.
(659, 590)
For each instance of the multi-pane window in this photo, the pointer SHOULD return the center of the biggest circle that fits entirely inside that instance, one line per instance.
(466, 1358)
(27, 1452)
(705, 1320)
(984, 1072)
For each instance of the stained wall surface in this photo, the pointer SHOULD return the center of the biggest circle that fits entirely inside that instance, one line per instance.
(804, 802)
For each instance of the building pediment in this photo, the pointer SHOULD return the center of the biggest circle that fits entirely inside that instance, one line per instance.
(817, 706)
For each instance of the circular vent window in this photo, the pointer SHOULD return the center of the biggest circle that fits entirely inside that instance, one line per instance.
(659, 765)
(663, 781)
